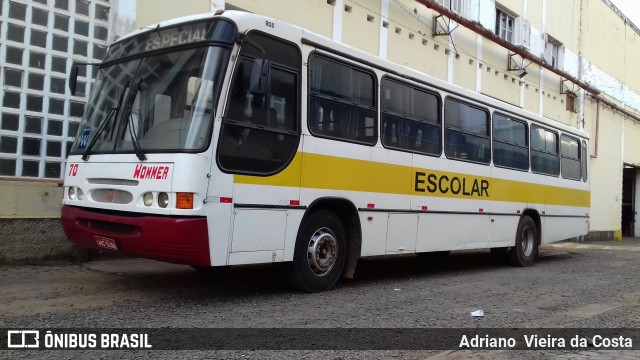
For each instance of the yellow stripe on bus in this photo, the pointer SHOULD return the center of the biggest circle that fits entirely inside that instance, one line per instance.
(338, 173)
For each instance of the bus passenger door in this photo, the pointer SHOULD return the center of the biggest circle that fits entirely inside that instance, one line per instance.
(259, 145)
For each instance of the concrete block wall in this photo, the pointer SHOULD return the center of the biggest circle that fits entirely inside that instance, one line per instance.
(30, 228)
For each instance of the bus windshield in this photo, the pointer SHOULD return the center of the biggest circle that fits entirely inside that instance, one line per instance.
(172, 110)
(176, 90)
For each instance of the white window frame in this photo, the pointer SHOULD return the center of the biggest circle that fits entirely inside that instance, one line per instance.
(457, 6)
(553, 51)
(505, 25)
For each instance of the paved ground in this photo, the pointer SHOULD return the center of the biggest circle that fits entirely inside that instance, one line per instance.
(572, 286)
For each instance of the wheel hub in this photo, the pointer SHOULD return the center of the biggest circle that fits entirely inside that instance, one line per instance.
(322, 252)
(527, 242)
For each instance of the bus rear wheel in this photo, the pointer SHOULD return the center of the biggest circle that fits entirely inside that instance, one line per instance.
(320, 253)
(525, 251)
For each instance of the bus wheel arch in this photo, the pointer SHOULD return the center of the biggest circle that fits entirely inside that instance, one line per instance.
(535, 216)
(347, 212)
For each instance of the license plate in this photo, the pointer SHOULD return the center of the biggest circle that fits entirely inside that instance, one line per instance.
(106, 243)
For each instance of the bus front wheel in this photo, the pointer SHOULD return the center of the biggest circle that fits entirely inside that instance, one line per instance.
(525, 251)
(320, 253)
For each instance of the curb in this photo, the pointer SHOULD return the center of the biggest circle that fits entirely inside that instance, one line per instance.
(577, 246)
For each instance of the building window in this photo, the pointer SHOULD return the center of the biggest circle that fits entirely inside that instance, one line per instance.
(504, 25)
(571, 102)
(456, 6)
(32, 79)
(553, 51)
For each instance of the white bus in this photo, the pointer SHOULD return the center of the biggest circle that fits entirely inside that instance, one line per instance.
(232, 138)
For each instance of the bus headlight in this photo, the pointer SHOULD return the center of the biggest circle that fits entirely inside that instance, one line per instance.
(80, 194)
(148, 199)
(72, 193)
(163, 200)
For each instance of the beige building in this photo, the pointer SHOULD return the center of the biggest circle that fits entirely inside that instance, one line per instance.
(571, 61)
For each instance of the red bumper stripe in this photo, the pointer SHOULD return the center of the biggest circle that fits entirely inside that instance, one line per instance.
(177, 240)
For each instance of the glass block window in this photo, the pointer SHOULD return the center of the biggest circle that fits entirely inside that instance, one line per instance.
(102, 12)
(82, 7)
(15, 33)
(7, 167)
(11, 100)
(10, 122)
(55, 127)
(39, 119)
(37, 60)
(12, 77)
(54, 149)
(56, 106)
(60, 43)
(62, 4)
(80, 47)
(39, 38)
(14, 55)
(61, 22)
(8, 144)
(59, 64)
(31, 146)
(82, 28)
(17, 11)
(39, 17)
(30, 168)
(36, 81)
(58, 85)
(33, 125)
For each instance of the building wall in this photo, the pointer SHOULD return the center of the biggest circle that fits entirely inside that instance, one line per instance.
(150, 9)
(636, 230)
(39, 118)
(39, 40)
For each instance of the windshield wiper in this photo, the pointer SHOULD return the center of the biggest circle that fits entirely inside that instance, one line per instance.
(112, 114)
(133, 91)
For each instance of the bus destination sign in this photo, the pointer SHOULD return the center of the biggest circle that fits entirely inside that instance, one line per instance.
(177, 36)
(220, 31)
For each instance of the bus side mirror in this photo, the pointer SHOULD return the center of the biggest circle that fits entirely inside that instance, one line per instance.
(260, 75)
(73, 79)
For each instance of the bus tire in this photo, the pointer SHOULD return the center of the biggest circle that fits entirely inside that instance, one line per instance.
(525, 251)
(320, 253)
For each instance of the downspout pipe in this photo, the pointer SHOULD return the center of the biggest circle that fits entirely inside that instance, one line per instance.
(595, 149)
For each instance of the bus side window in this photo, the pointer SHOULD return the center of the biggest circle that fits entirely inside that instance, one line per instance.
(410, 118)
(570, 157)
(467, 132)
(510, 146)
(341, 101)
(544, 151)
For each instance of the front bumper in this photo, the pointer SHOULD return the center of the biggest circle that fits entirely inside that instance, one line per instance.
(180, 240)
